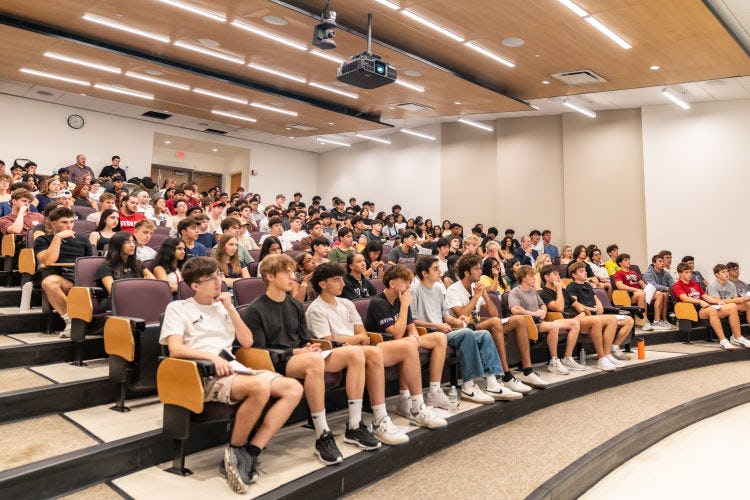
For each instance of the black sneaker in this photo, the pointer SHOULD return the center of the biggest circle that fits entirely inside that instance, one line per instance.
(326, 449)
(239, 468)
(361, 437)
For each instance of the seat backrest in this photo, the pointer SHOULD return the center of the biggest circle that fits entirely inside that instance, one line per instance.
(149, 264)
(83, 226)
(162, 230)
(83, 212)
(246, 290)
(562, 269)
(294, 253)
(157, 240)
(140, 298)
(603, 297)
(184, 291)
(252, 268)
(255, 254)
(378, 284)
(501, 303)
(362, 305)
(637, 269)
(86, 270)
(257, 235)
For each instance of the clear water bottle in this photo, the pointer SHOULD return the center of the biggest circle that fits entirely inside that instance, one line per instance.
(582, 357)
(453, 399)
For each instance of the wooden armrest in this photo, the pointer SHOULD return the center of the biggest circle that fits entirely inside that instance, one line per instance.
(375, 338)
(119, 336)
(257, 359)
(325, 345)
(178, 383)
(27, 261)
(61, 264)
(8, 245)
(621, 298)
(553, 316)
(80, 305)
(421, 330)
(531, 329)
(685, 310)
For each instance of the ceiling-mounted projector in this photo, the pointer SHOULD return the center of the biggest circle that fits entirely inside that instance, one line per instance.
(366, 70)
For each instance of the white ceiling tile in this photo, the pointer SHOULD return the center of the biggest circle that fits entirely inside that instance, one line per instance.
(75, 100)
(13, 87)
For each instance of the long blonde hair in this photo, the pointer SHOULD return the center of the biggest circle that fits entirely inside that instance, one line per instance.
(234, 266)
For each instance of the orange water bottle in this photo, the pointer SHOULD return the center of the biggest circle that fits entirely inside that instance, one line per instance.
(641, 349)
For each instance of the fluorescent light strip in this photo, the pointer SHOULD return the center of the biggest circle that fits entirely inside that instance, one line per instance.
(44, 74)
(103, 67)
(270, 36)
(209, 93)
(580, 109)
(376, 139)
(432, 25)
(672, 97)
(208, 52)
(475, 124)
(323, 55)
(273, 108)
(159, 81)
(331, 141)
(410, 85)
(134, 93)
(490, 54)
(388, 4)
(195, 10)
(418, 134)
(236, 116)
(608, 33)
(334, 90)
(534, 106)
(277, 73)
(578, 11)
(119, 26)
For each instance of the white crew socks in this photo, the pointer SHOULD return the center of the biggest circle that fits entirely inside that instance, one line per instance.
(416, 403)
(492, 383)
(467, 386)
(404, 393)
(355, 413)
(435, 386)
(379, 413)
(320, 423)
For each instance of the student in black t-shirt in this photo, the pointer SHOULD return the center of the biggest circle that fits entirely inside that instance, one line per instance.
(356, 285)
(121, 262)
(277, 322)
(63, 246)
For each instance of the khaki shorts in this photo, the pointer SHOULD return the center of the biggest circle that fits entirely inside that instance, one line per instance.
(219, 389)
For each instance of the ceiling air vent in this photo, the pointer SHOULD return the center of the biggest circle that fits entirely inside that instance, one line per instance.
(215, 131)
(157, 115)
(582, 77)
(302, 127)
(412, 106)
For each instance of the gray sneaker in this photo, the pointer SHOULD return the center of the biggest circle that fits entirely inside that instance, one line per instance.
(618, 354)
(239, 468)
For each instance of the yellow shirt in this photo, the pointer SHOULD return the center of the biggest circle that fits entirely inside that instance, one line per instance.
(487, 282)
(611, 267)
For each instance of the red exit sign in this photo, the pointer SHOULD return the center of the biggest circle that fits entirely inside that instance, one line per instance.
(179, 154)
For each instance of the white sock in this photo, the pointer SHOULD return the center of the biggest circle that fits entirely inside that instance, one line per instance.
(416, 403)
(66, 318)
(615, 348)
(355, 413)
(467, 385)
(492, 382)
(320, 423)
(379, 412)
(404, 393)
(435, 386)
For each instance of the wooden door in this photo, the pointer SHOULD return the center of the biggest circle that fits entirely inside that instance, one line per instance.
(235, 182)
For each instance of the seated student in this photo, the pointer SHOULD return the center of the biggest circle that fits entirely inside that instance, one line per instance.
(566, 257)
(734, 277)
(21, 219)
(373, 254)
(345, 247)
(232, 226)
(471, 245)
(276, 229)
(129, 214)
(667, 256)
(658, 276)
(356, 284)
(441, 252)
(389, 313)
(109, 224)
(511, 274)
(696, 275)
(270, 246)
(541, 261)
(302, 290)
(548, 247)
(581, 291)
(599, 269)
(315, 229)
(475, 348)
(629, 280)
(613, 251)
(525, 300)
(451, 275)
(723, 288)
(492, 278)
(187, 230)
(144, 229)
(295, 232)
(121, 262)
(230, 265)
(320, 247)
(277, 322)
(581, 254)
(358, 227)
(205, 326)
(106, 200)
(406, 253)
(536, 241)
(525, 254)
(169, 263)
(206, 237)
(62, 246)
(376, 232)
(332, 317)
(601, 331)
(338, 214)
(466, 297)
(710, 308)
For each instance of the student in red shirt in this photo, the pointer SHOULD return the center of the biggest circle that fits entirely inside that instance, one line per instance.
(688, 290)
(629, 280)
(129, 213)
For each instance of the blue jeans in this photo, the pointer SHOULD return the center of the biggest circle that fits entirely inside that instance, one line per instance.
(476, 352)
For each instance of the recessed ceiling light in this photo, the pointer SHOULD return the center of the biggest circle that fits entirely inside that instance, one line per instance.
(275, 20)
(277, 104)
(408, 85)
(338, 84)
(53, 76)
(331, 141)
(489, 54)
(412, 72)
(154, 72)
(208, 42)
(513, 42)
(272, 108)
(233, 114)
(276, 72)
(545, 82)
(534, 106)
(118, 26)
(195, 10)
(330, 57)
(209, 93)
(44, 93)
(372, 138)
(431, 25)
(537, 55)
(214, 150)
(159, 81)
(456, 102)
(270, 36)
(212, 53)
(418, 134)
(330, 123)
(350, 95)
(680, 101)
(84, 95)
(390, 5)
(103, 67)
(475, 124)
(120, 90)
(167, 142)
(655, 67)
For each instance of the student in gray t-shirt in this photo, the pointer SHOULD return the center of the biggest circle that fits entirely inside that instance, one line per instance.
(724, 289)
(405, 253)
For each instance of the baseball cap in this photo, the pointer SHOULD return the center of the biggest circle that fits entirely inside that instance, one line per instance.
(64, 193)
(218, 204)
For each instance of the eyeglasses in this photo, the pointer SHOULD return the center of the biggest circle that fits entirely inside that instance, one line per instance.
(213, 278)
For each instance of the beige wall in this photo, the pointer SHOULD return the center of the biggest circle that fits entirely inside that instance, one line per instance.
(604, 198)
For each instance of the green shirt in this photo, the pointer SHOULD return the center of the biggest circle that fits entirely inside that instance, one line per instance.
(339, 255)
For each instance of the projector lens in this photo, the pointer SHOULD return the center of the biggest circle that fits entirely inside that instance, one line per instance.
(380, 68)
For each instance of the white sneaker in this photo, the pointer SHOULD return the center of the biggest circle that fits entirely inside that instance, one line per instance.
(516, 385)
(386, 432)
(556, 367)
(65, 334)
(534, 380)
(615, 361)
(437, 400)
(605, 365)
(618, 354)
(740, 341)
(502, 393)
(725, 344)
(663, 325)
(572, 364)
(403, 407)
(477, 396)
(425, 418)
(647, 327)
